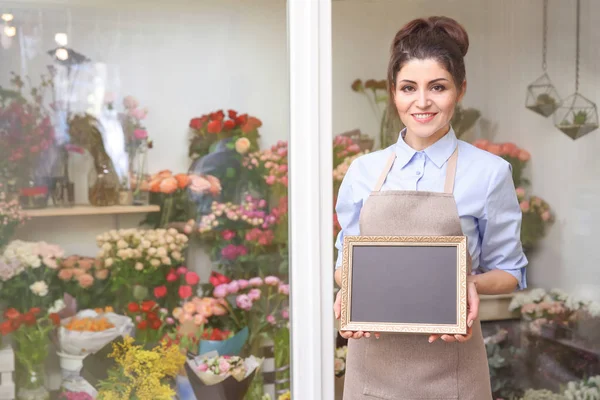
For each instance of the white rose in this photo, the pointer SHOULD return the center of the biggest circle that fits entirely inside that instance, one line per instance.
(35, 262)
(176, 255)
(57, 306)
(162, 252)
(146, 244)
(39, 288)
(108, 262)
(242, 145)
(121, 244)
(139, 266)
(166, 261)
(169, 239)
(173, 247)
(106, 247)
(155, 262)
(122, 253)
(172, 231)
(151, 251)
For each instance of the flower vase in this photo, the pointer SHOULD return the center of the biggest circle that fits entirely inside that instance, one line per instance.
(72, 381)
(103, 184)
(139, 175)
(31, 383)
(33, 192)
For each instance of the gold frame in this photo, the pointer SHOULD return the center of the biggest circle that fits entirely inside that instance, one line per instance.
(460, 242)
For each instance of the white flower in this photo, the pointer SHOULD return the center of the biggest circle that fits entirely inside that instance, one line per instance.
(536, 295)
(39, 288)
(161, 252)
(57, 306)
(121, 244)
(573, 303)
(166, 261)
(155, 262)
(108, 262)
(176, 256)
(139, 266)
(559, 294)
(151, 251)
(593, 308)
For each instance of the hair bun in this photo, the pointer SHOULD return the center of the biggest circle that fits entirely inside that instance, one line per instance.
(454, 30)
(424, 27)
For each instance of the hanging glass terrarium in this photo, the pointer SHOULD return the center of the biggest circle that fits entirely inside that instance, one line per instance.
(577, 115)
(542, 97)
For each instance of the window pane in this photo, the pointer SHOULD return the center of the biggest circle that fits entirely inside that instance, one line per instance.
(146, 148)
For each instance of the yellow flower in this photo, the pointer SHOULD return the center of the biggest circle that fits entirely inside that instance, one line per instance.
(285, 396)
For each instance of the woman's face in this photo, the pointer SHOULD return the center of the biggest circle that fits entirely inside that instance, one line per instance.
(425, 96)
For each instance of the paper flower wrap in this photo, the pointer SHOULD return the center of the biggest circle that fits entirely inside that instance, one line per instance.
(221, 377)
(87, 342)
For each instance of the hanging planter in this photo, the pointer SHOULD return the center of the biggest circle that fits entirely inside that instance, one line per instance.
(577, 115)
(542, 97)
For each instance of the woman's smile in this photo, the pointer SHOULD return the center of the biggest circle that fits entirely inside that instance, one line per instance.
(423, 118)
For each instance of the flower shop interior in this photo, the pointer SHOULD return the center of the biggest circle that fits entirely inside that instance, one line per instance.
(144, 189)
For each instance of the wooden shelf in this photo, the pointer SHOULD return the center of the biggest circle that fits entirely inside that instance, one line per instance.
(89, 210)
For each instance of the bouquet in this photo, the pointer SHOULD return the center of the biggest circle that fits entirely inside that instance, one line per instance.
(151, 321)
(11, 216)
(221, 377)
(86, 280)
(28, 274)
(141, 374)
(89, 331)
(537, 218)
(139, 260)
(207, 130)
(176, 194)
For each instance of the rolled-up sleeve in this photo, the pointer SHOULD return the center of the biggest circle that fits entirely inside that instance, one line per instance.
(500, 228)
(348, 212)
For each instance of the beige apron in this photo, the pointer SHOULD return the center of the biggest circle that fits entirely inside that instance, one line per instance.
(407, 366)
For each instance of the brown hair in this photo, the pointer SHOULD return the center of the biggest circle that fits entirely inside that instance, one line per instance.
(440, 38)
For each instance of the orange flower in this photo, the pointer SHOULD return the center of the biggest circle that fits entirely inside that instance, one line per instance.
(168, 185)
(165, 173)
(154, 184)
(183, 180)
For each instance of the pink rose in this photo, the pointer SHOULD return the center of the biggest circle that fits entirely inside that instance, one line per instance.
(65, 274)
(221, 291)
(270, 180)
(494, 149)
(202, 367)
(242, 283)
(228, 234)
(545, 216)
(198, 184)
(524, 155)
(284, 289)
(520, 192)
(224, 366)
(86, 263)
(140, 134)
(285, 314)
(101, 274)
(524, 206)
(182, 270)
(271, 319)
(69, 262)
(85, 280)
(171, 276)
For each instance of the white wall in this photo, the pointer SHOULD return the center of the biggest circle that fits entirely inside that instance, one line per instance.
(188, 59)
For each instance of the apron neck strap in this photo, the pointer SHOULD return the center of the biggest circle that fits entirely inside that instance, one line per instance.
(450, 172)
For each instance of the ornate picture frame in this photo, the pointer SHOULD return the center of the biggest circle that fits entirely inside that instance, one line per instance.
(404, 284)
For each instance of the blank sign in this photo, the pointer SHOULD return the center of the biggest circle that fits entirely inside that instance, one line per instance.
(404, 284)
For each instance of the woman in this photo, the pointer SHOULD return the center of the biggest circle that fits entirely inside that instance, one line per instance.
(430, 183)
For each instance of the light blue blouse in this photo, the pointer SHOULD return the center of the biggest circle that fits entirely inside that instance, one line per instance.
(484, 191)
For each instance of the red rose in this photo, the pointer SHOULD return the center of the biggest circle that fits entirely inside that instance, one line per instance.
(160, 292)
(5, 328)
(214, 126)
(35, 311)
(228, 125)
(151, 316)
(171, 276)
(15, 323)
(192, 278)
(148, 305)
(29, 319)
(55, 318)
(232, 114)
(241, 120)
(185, 291)
(133, 307)
(142, 325)
(156, 324)
(196, 123)
(217, 279)
(11, 313)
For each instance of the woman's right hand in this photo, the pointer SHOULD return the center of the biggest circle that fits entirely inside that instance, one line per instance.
(337, 309)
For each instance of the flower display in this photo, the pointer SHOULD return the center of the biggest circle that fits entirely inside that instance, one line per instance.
(139, 259)
(141, 374)
(586, 389)
(28, 272)
(86, 279)
(179, 285)
(211, 128)
(151, 321)
(540, 307)
(223, 366)
(269, 167)
(11, 216)
(343, 148)
(516, 156)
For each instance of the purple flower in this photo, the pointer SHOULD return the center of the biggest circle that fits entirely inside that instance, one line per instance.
(254, 294)
(221, 291)
(244, 302)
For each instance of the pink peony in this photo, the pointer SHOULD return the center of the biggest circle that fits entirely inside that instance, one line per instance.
(272, 280)
(221, 291)
(254, 294)
(244, 302)
(284, 289)
(242, 283)
(255, 282)
(233, 287)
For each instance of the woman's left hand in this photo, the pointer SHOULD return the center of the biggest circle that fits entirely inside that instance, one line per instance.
(472, 313)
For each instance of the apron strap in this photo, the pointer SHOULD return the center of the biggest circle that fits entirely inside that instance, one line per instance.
(384, 173)
(451, 172)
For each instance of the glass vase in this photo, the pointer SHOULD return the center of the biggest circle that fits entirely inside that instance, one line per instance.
(103, 185)
(33, 192)
(139, 175)
(31, 383)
